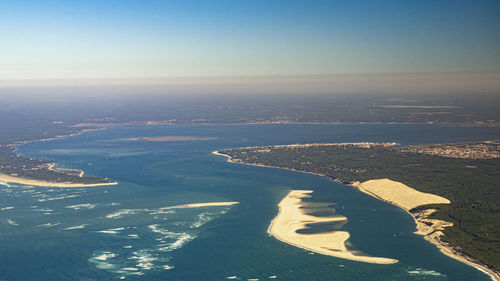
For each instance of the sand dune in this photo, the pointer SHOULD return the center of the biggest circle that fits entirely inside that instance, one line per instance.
(399, 194)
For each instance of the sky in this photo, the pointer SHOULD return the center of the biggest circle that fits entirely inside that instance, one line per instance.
(143, 39)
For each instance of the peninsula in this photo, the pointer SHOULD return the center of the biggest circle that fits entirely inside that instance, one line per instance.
(15, 168)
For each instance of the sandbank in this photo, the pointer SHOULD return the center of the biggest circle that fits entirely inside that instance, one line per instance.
(199, 205)
(293, 216)
(20, 180)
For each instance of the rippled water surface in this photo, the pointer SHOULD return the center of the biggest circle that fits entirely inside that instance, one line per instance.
(130, 231)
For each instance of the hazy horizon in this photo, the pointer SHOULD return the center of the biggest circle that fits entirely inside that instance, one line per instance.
(390, 83)
(254, 46)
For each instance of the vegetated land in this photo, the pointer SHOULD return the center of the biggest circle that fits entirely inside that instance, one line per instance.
(471, 183)
(15, 129)
(13, 164)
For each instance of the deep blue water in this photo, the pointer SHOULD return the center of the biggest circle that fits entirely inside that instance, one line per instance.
(122, 232)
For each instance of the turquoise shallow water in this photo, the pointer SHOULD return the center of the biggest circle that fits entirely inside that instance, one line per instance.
(124, 231)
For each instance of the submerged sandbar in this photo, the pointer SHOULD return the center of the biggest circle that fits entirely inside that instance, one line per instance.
(293, 217)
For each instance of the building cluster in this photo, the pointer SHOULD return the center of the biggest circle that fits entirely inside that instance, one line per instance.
(484, 150)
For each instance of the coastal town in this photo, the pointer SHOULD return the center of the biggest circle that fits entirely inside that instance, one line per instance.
(481, 150)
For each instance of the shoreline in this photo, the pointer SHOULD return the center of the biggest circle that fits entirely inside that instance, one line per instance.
(25, 181)
(51, 166)
(443, 247)
(431, 233)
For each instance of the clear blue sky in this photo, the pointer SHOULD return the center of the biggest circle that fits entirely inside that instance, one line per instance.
(170, 38)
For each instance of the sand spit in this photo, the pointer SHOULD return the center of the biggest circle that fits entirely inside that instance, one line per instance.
(199, 205)
(78, 172)
(408, 198)
(293, 216)
(7, 178)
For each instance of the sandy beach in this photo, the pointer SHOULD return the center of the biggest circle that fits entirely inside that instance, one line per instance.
(7, 178)
(293, 216)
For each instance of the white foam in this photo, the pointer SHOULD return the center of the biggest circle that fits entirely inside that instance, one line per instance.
(12, 222)
(202, 219)
(144, 259)
(273, 277)
(183, 239)
(100, 260)
(111, 230)
(167, 267)
(232, 277)
(105, 256)
(5, 184)
(49, 224)
(162, 212)
(81, 206)
(58, 198)
(76, 227)
(120, 213)
(118, 228)
(44, 210)
(6, 208)
(420, 271)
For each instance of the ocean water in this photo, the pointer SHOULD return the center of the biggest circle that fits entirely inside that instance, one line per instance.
(127, 231)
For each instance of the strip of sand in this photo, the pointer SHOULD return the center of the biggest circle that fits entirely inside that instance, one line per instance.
(292, 217)
(199, 205)
(408, 198)
(20, 180)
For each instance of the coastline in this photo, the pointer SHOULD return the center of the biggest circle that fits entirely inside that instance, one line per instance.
(50, 166)
(432, 232)
(12, 179)
(419, 221)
